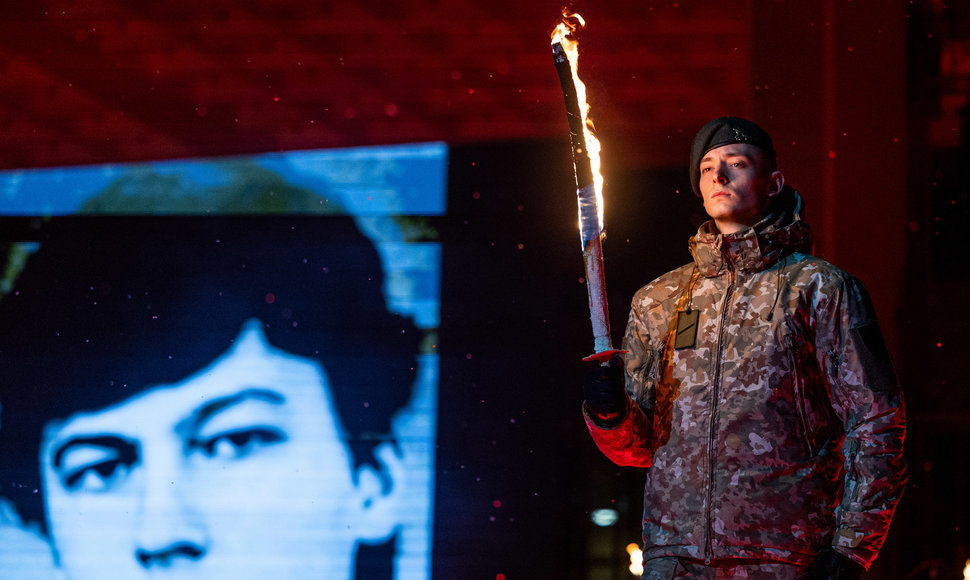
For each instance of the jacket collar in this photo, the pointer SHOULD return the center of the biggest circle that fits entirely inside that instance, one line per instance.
(755, 248)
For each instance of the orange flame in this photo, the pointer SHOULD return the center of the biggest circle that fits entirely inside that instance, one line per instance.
(564, 34)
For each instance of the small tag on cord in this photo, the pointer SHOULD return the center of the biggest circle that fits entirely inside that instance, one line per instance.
(686, 328)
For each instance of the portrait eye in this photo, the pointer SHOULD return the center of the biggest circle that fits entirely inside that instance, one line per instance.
(96, 477)
(95, 464)
(238, 443)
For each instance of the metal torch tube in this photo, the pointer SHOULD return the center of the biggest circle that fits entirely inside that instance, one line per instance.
(590, 233)
(582, 169)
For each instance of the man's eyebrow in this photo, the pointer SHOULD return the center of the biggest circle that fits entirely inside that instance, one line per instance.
(125, 447)
(214, 406)
(729, 153)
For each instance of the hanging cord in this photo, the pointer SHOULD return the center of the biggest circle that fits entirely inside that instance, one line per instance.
(690, 287)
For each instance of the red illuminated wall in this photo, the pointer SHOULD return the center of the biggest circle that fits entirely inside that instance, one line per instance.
(107, 80)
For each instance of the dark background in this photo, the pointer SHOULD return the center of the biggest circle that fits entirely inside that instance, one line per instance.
(866, 100)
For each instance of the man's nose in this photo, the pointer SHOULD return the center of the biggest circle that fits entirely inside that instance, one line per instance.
(170, 530)
(719, 176)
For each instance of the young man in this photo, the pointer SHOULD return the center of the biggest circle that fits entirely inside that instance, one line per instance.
(757, 390)
(204, 397)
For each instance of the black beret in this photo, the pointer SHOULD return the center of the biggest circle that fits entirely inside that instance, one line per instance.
(724, 131)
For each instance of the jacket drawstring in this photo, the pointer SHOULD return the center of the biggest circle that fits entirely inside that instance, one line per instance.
(690, 287)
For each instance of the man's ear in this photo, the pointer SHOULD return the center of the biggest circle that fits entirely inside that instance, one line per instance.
(776, 181)
(378, 494)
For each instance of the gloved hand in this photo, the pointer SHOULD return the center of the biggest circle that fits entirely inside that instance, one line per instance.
(603, 389)
(831, 565)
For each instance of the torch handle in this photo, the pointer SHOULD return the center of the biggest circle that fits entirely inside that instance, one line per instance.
(596, 287)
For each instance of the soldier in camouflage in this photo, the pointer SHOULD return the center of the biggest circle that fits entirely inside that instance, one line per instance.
(756, 389)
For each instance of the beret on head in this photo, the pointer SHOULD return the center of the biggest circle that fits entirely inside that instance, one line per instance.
(724, 131)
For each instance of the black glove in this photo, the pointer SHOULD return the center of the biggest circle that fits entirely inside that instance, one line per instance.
(831, 565)
(603, 388)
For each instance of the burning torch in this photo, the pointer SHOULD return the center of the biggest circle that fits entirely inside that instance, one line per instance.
(589, 180)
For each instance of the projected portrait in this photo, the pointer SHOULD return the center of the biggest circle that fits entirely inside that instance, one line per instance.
(211, 397)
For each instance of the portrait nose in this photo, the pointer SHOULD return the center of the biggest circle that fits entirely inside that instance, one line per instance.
(719, 176)
(170, 531)
(169, 555)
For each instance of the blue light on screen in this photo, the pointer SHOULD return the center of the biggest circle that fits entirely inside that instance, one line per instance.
(240, 468)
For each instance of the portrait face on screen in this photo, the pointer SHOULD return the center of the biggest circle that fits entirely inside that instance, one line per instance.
(216, 368)
(211, 398)
(238, 471)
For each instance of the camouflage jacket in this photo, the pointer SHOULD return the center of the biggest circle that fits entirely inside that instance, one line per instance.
(778, 430)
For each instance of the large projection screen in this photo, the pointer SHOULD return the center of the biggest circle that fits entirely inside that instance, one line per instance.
(221, 368)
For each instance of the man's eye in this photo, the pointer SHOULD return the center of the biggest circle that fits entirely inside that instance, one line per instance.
(705, 169)
(238, 444)
(96, 477)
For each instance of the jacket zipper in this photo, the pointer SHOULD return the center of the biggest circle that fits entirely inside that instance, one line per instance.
(655, 370)
(659, 363)
(798, 386)
(712, 440)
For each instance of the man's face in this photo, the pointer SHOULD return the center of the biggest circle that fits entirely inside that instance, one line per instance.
(238, 471)
(737, 186)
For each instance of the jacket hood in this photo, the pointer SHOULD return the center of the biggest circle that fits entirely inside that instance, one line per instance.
(755, 248)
